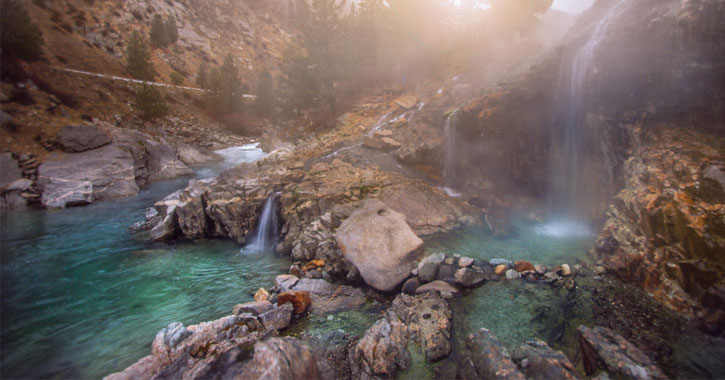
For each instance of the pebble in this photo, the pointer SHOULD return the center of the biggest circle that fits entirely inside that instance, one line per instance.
(500, 269)
(565, 270)
(512, 274)
(464, 262)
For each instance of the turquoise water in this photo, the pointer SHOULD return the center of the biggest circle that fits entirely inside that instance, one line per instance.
(82, 297)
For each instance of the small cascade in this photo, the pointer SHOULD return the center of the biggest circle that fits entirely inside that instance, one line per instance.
(567, 176)
(266, 237)
(449, 164)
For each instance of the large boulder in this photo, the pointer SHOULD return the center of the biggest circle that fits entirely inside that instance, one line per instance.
(80, 138)
(604, 349)
(280, 358)
(163, 162)
(66, 179)
(381, 245)
(331, 350)
(428, 318)
(383, 350)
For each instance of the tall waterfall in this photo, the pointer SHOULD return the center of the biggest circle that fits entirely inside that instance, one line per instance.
(266, 237)
(567, 191)
(449, 164)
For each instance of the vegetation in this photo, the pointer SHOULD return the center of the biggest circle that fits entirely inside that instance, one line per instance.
(202, 77)
(163, 32)
(150, 104)
(19, 36)
(138, 58)
(176, 78)
(225, 89)
(264, 104)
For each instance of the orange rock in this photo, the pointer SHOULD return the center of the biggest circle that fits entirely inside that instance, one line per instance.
(314, 264)
(500, 269)
(300, 300)
(522, 266)
(261, 295)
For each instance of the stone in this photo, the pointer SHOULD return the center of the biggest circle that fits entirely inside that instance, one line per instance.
(522, 266)
(605, 349)
(539, 362)
(163, 162)
(564, 270)
(373, 143)
(261, 295)
(550, 277)
(540, 269)
(437, 286)
(512, 274)
(60, 193)
(380, 244)
(173, 334)
(278, 358)
(300, 300)
(464, 262)
(500, 269)
(428, 267)
(497, 262)
(446, 273)
(9, 169)
(487, 358)
(410, 285)
(285, 282)
(278, 318)
(330, 298)
(80, 138)
(193, 156)
(469, 277)
(383, 350)
(428, 318)
(254, 308)
(407, 101)
(332, 350)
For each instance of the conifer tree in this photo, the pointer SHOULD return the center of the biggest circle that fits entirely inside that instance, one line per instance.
(150, 104)
(159, 36)
(264, 104)
(172, 32)
(202, 77)
(138, 58)
(19, 36)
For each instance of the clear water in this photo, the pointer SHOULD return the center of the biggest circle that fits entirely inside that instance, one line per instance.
(82, 297)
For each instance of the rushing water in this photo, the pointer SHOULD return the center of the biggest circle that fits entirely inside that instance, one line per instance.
(82, 297)
(266, 236)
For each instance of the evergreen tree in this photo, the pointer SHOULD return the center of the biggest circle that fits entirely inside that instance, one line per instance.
(298, 85)
(225, 88)
(264, 104)
(172, 32)
(19, 37)
(202, 77)
(159, 36)
(138, 58)
(150, 104)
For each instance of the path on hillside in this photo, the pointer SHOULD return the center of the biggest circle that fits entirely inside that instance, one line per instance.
(137, 81)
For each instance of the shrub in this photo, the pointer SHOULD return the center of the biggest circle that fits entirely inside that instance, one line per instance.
(176, 78)
(138, 58)
(150, 104)
(19, 37)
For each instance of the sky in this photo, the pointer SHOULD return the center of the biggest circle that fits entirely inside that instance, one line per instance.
(572, 6)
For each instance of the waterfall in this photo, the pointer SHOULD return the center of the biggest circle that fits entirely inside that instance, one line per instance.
(266, 237)
(449, 164)
(567, 192)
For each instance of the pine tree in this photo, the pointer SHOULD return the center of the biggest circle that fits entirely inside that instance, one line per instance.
(172, 32)
(19, 37)
(298, 84)
(264, 104)
(159, 36)
(202, 77)
(138, 58)
(150, 104)
(225, 88)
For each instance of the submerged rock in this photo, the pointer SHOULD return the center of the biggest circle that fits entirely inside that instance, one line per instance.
(512, 274)
(438, 286)
(379, 242)
(523, 266)
(539, 362)
(487, 358)
(605, 349)
(332, 350)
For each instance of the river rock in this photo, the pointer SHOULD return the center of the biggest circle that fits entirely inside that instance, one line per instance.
(80, 138)
(428, 318)
(285, 282)
(383, 350)
(168, 227)
(539, 362)
(261, 295)
(512, 274)
(428, 267)
(605, 349)
(192, 156)
(442, 287)
(332, 350)
(254, 308)
(329, 298)
(550, 277)
(379, 242)
(469, 277)
(540, 269)
(464, 262)
(446, 272)
(278, 358)
(522, 266)
(410, 285)
(500, 269)
(163, 162)
(278, 318)
(300, 300)
(487, 358)
(9, 169)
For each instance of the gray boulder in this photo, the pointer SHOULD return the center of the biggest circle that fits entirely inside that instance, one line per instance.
(602, 348)
(80, 138)
(278, 318)
(9, 169)
(382, 351)
(163, 162)
(379, 242)
(428, 267)
(280, 358)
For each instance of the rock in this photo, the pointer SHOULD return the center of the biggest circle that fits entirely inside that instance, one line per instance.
(539, 362)
(564, 270)
(171, 336)
(605, 349)
(285, 282)
(254, 308)
(21, 184)
(278, 318)
(497, 262)
(512, 274)
(410, 285)
(192, 156)
(329, 298)
(550, 277)
(488, 359)
(300, 300)
(80, 138)
(522, 266)
(381, 134)
(163, 162)
(428, 318)
(446, 272)
(168, 227)
(441, 287)
(468, 277)
(373, 143)
(332, 350)
(383, 350)
(278, 358)
(540, 269)
(107, 172)
(428, 267)
(261, 295)
(464, 262)
(500, 269)
(389, 143)
(9, 169)
(407, 101)
(379, 242)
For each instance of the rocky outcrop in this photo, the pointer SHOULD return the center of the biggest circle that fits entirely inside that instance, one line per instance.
(428, 318)
(487, 358)
(332, 350)
(539, 362)
(12, 183)
(163, 162)
(383, 350)
(381, 245)
(80, 138)
(604, 349)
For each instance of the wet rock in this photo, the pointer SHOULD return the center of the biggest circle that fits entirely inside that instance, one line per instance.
(539, 362)
(497, 262)
(80, 138)
(442, 287)
(279, 358)
(428, 267)
(540, 269)
(550, 277)
(300, 300)
(379, 242)
(446, 272)
(331, 350)
(605, 349)
(487, 358)
(190, 210)
(285, 282)
(512, 274)
(192, 156)
(167, 228)
(410, 285)
(500, 269)
(564, 270)
(383, 350)
(329, 298)
(254, 308)
(464, 262)
(522, 266)
(163, 162)
(261, 295)
(278, 318)
(60, 193)
(428, 318)
(469, 277)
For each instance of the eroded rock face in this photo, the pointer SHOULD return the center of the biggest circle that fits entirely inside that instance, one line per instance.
(487, 358)
(383, 350)
(605, 349)
(80, 138)
(163, 162)
(381, 245)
